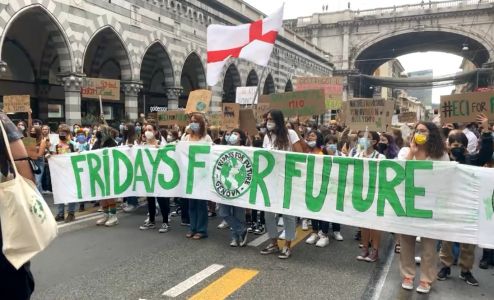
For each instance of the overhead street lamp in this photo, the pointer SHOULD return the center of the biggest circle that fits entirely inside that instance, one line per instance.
(465, 47)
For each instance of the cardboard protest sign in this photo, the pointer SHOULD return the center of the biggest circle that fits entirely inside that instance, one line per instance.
(108, 89)
(303, 103)
(407, 117)
(261, 109)
(173, 117)
(373, 114)
(16, 103)
(246, 95)
(248, 121)
(231, 116)
(417, 197)
(215, 119)
(332, 86)
(465, 107)
(199, 101)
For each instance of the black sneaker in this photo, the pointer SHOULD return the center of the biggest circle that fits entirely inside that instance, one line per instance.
(259, 229)
(468, 277)
(357, 236)
(484, 263)
(271, 248)
(444, 273)
(59, 218)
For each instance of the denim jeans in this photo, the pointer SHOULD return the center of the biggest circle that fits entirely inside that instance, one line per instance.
(289, 225)
(40, 162)
(61, 208)
(235, 217)
(198, 214)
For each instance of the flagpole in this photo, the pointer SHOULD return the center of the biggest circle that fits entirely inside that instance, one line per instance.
(258, 89)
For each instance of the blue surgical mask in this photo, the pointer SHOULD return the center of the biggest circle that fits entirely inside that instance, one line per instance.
(331, 147)
(363, 142)
(194, 127)
(81, 139)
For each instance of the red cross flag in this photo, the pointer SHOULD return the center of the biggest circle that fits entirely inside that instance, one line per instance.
(253, 42)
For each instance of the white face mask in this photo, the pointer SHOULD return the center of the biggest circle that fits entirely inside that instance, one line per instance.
(233, 139)
(149, 135)
(263, 130)
(270, 126)
(169, 138)
(311, 144)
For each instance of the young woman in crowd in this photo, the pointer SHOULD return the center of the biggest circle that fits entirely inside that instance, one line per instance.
(152, 140)
(367, 143)
(233, 215)
(280, 138)
(104, 139)
(37, 153)
(387, 146)
(129, 138)
(320, 229)
(255, 218)
(398, 138)
(457, 148)
(426, 143)
(21, 125)
(198, 209)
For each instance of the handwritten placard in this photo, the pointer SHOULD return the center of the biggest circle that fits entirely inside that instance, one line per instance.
(246, 95)
(248, 121)
(407, 117)
(16, 103)
(108, 89)
(231, 116)
(173, 117)
(199, 101)
(261, 110)
(374, 114)
(466, 107)
(303, 103)
(332, 86)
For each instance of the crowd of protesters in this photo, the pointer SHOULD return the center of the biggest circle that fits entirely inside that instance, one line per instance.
(470, 144)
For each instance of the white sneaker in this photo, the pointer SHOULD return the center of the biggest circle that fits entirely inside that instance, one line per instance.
(323, 242)
(234, 243)
(222, 225)
(129, 208)
(164, 228)
(147, 225)
(103, 220)
(305, 225)
(280, 222)
(418, 239)
(312, 239)
(320, 234)
(282, 235)
(112, 220)
(418, 260)
(337, 236)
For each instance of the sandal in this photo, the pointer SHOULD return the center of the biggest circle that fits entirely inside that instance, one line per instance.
(189, 235)
(199, 236)
(397, 248)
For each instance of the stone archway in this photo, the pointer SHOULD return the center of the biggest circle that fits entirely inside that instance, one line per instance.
(193, 76)
(252, 79)
(269, 87)
(230, 83)
(289, 86)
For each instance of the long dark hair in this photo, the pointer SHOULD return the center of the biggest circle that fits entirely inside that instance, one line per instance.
(392, 149)
(243, 137)
(280, 131)
(434, 146)
(130, 134)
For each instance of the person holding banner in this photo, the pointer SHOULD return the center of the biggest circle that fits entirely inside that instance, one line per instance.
(426, 144)
(129, 139)
(153, 140)
(458, 150)
(198, 209)
(280, 138)
(235, 216)
(367, 143)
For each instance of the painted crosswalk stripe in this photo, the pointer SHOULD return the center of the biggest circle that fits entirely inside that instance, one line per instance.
(226, 284)
(192, 281)
(299, 236)
(260, 240)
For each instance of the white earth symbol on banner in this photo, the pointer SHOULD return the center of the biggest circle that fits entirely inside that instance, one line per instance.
(232, 174)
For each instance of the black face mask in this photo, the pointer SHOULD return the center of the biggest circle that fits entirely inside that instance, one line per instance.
(62, 137)
(381, 147)
(458, 153)
(98, 135)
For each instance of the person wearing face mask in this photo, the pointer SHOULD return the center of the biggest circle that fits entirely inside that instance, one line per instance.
(426, 143)
(232, 215)
(21, 125)
(129, 139)
(457, 147)
(387, 146)
(367, 144)
(36, 153)
(65, 146)
(198, 209)
(280, 138)
(151, 134)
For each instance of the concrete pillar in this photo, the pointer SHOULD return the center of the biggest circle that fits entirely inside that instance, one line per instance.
(345, 60)
(72, 84)
(172, 95)
(43, 91)
(131, 91)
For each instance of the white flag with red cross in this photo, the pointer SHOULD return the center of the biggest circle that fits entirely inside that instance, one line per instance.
(253, 42)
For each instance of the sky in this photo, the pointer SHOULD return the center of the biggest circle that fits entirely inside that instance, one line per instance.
(440, 63)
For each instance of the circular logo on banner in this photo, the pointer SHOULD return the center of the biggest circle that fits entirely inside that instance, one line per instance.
(232, 174)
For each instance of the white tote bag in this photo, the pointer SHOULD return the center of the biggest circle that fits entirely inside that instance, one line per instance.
(28, 226)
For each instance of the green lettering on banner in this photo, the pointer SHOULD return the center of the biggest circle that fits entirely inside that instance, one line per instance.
(94, 166)
(387, 188)
(343, 163)
(315, 203)
(106, 167)
(140, 172)
(168, 185)
(291, 159)
(75, 160)
(155, 162)
(129, 174)
(258, 177)
(411, 190)
(359, 203)
(492, 104)
(193, 164)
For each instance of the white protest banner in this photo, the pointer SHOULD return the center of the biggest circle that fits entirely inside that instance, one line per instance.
(246, 94)
(418, 198)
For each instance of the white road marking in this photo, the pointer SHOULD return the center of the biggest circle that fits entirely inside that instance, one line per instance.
(193, 280)
(384, 274)
(261, 239)
(80, 220)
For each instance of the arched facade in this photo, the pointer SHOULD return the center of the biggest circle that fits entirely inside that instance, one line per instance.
(269, 87)
(230, 83)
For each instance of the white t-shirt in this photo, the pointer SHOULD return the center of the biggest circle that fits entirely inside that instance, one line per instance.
(269, 140)
(403, 154)
(374, 154)
(473, 141)
(204, 139)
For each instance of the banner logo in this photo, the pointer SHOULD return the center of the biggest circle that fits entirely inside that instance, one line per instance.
(232, 174)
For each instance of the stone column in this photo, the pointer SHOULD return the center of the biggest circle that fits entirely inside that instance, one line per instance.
(72, 84)
(172, 95)
(43, 91)
(131, 91)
